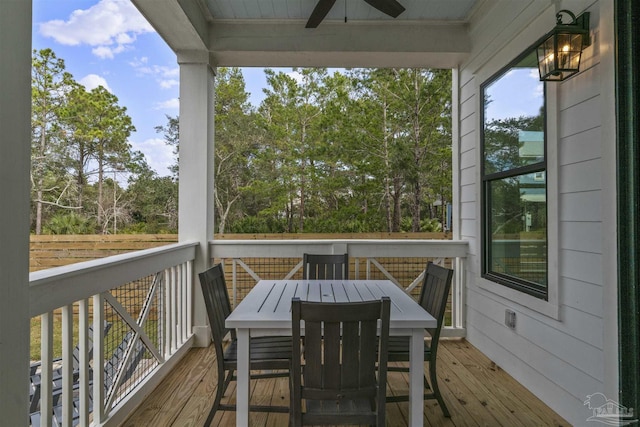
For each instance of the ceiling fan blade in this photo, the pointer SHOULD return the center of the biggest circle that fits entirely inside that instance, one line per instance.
(390, 7)
(319, 12)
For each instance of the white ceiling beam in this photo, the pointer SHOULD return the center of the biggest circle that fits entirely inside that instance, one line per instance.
(356, 44)
(181, 23)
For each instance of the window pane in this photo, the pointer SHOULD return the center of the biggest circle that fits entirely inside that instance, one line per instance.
(514, 119)
(518, 227)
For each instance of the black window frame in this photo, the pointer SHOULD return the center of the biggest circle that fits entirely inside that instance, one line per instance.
(516, 283)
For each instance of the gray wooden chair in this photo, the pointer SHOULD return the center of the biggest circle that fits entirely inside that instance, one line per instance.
(324, 266)
(271, 354)
(111, 368)
(433, 298)
(341, 354)
(35, 367)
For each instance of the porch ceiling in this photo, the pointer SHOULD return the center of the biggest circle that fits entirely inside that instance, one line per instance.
(429, 33)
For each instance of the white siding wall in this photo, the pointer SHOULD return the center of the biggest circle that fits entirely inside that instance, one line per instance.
(561, 356)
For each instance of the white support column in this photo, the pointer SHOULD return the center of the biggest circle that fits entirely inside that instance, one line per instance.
(15, 122)
(196, 171)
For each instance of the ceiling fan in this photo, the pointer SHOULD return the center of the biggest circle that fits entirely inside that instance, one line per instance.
(389, 7)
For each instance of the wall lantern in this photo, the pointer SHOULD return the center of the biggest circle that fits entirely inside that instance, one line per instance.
(560, 50)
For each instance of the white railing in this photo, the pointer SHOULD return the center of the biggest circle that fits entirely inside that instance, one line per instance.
(141, 300)
(401, 261)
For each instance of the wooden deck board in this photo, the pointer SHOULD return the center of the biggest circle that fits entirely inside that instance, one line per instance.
(477, 392)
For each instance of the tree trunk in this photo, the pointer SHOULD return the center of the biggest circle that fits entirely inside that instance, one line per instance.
(100, 179)
(397, 184)
(387, 168)
(417, 196)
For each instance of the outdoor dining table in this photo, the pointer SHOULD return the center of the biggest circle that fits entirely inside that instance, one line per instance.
(266, 310)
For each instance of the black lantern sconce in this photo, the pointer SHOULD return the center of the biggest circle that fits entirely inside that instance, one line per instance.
(560, 51)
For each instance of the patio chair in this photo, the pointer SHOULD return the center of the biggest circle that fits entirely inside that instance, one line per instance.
(321, 266)
(433, 298)
(338, 380)
(111, 367)
(271, 354)
(35, 375)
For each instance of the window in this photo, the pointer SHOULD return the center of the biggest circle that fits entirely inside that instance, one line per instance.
(514, 178)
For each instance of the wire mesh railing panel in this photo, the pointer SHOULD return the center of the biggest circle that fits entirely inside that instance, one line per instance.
(242, 274)
(127, 358)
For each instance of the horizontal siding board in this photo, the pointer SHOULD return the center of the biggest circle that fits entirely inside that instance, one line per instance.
(582, 236)
(468, 193)
(579, 88)
(468, 227)
(578, 177)
(584, 206)
(581, 117)
(467, 210)
(467, 78)
(468, 176)
(468, 107)
(468, 125)
(583, 296)
(583, 326)
(581, 146)
(584, 266)
(468, 158)
(468, 142)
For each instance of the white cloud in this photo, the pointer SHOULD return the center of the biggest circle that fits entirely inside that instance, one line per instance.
(170, 104)
(92, 81)
(158, 154)
(107, 52)
(168, 84)
(163, 75)
(110, 26)
(295, 75)
(538, 91)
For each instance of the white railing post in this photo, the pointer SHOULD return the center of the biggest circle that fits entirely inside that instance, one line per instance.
(46, 371)
(67, 365)
(234, 275)
(174, 310)
(83, 361)
(168, 333)
(98, 359)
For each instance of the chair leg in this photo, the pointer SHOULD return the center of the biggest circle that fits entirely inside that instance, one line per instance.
(222, 387)
(434, 387)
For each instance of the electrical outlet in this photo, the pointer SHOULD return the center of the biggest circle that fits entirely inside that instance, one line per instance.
(510, 318)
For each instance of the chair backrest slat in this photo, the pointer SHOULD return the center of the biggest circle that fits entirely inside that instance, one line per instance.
(216, 299)
(435, 293)
(325, 266)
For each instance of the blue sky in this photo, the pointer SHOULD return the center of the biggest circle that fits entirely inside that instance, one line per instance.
(108, 43)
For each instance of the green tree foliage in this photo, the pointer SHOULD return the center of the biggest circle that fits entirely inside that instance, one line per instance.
(355, 151)
(153, 204)
(172, 138)
(49, 84)
(79, 147)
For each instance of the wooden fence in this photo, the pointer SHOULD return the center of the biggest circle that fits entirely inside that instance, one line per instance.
(48, 251)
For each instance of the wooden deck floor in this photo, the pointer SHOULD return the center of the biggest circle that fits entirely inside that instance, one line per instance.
(477, 392)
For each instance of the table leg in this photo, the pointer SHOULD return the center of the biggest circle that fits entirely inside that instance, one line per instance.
(416, 372)
(243, 374)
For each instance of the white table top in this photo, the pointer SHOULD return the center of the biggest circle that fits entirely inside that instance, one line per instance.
(268, 305)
